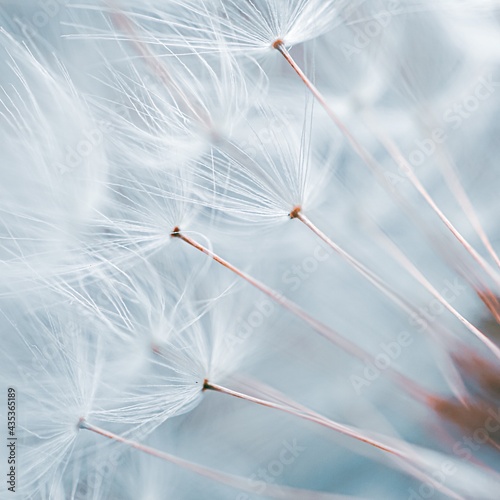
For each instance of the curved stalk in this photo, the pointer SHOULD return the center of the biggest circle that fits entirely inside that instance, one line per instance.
(374, 279)
(372, 164)
(408, 385)
(233, 481)
(340, 428)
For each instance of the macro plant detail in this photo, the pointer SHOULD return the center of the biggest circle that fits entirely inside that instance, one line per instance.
(250, 249)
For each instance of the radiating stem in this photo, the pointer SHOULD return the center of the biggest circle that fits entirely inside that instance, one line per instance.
(400, 159)
(297, 214)
(330, 424)
(372, 164)
(296, 310)
(268, 392)
(310, 416)
(452, 179)
(369, 275)
(236, 482)
(360, 150)
(408, 385)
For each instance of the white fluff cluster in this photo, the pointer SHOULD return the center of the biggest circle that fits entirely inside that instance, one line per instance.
(249, 249)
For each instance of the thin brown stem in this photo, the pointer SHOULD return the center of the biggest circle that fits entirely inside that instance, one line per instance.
(384, 288)
(277, 297)
(310, 416)
(269, 392)
(372, 164)
(236, 482)
(369, 275)
(400, 159)
(452, 179)
(360, 150)
(351, 432)
(408, 385)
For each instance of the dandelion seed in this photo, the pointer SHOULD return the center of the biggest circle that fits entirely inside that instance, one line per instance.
(148, 127)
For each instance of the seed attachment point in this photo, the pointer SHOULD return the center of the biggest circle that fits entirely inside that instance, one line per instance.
(176, 232)
(295, 212)
(277, 44)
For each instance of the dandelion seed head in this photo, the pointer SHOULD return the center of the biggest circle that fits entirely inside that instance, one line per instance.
(268, 175)
(162, 310)
(56, 148)
(221, 25)
(58, 360)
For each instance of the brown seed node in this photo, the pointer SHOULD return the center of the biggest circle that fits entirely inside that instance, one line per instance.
(295, 212)
(277, 43)
(176, 232)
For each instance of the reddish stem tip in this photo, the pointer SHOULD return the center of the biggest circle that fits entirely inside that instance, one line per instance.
(277, 44)
(176, 232)
(295, 212)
